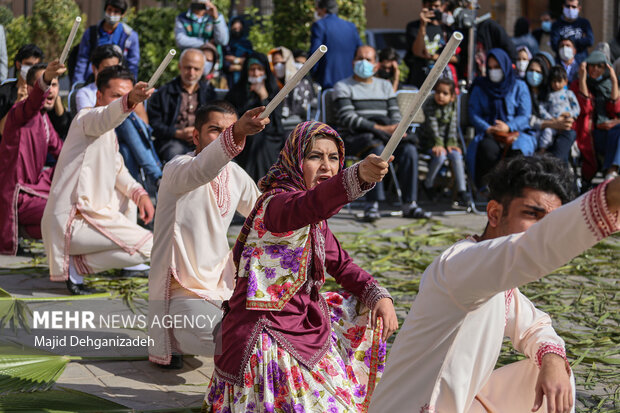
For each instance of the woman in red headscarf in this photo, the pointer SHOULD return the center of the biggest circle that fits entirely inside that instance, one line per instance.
(284, 345)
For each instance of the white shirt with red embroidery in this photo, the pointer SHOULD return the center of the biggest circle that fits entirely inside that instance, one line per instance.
(468, 302)
(191, 256)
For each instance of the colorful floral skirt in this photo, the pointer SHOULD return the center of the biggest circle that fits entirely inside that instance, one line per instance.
(342, 381)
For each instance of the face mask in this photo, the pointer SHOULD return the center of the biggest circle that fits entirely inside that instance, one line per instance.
(496, 75)
(198, 6)
(254, 80)
(546, 26)
(298, 65)
(522, 66)
(571, 14)
(208, 67)
(385, 74)
(447, 19)
(280, 70)
(534, 79)
(364, 69)
(235, 34)
(316, 16)
(566, 53)
(112, 19)
(23, 72)
(598, 79)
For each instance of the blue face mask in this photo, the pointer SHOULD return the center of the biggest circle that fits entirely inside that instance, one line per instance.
(534, 79)
(598, 79)
(546, 26)
(364, 69)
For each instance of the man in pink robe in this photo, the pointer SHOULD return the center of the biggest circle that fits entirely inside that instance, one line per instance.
(27, 139)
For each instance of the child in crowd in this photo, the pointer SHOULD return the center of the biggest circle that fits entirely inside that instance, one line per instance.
(560, 102)
(438, 137)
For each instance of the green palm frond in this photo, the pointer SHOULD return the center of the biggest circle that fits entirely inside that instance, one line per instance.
(59, 401)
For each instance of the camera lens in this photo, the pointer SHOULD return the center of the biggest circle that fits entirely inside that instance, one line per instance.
(438, 14)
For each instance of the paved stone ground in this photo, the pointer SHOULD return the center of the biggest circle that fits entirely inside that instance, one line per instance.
(141, 384)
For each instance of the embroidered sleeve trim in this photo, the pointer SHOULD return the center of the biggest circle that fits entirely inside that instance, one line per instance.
(231, 149)
(373, 292)
(136, 194)
(548, 347)
(596, 212)
(353, 185)
(427, 409)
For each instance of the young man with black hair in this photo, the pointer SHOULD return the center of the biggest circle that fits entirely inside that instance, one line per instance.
(199, 194)
(110, 30)
(103, 56)
(89, 224)
(29, 138)
(444, 357)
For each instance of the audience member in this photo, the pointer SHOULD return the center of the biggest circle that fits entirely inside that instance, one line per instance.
(388, 66)
(368, 115)
(560, 103)
(27, 141)
(17, 90)
(340, 37)
(547, 59)
(523, 60)
(256, 87)
(300, 58)
(598, 125)
(439, 138)
(89, 223)
(4, 58)
(500, 110)
(523, 37)
(103, 56)
(543, 34)
(283, 67)
(200, 24)
(184, 280)
(238, 49)
(537, 79)
(566, 53)
(211, 59)
(172, 108)
(110, 30)
(425, 40)
(571, 26)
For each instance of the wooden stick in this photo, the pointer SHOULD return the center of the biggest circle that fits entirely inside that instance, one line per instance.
(74, 29)
(294, 81)
(418, 100)
(162, 66)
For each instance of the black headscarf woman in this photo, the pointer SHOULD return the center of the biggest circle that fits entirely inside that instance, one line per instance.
(256, 87)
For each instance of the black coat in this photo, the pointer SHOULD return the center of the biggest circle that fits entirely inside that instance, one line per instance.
(163, 107)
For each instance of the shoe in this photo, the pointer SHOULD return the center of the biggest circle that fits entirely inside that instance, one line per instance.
(463, 199)
(431, 193)
(417, 213)
(371, 215)
(176, 363)
(80, 289)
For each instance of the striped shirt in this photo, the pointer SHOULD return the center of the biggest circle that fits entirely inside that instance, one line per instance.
(358, 102)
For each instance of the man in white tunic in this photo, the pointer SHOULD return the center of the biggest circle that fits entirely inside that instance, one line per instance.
(443, 358)
(89, 223)
(192, 269)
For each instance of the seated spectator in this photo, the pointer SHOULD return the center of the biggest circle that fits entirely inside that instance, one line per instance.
(523, 60)
(547, 59)
(256, 87)
(537, 79)
(17, 90)
(211, 58)
(559, 103)
(89, 223)
(27, 141)
(571, 26)
(200, 24)
(500, 110)
(110, 30)
(388, 66)
(598, 125)
(522, 35)
(300, 58)
(368, 115)
(103, 56)
(438, 138)
(172, 108)
(283, 67)
(566, 53)
(543, 35)
(238, 49)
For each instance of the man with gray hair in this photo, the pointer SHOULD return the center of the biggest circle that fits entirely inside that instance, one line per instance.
(172, 108)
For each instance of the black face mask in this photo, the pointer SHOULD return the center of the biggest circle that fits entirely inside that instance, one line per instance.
(198, 6)
(385, 74)
(235, 34)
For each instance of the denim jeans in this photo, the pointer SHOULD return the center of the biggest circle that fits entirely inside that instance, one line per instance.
(458, 168)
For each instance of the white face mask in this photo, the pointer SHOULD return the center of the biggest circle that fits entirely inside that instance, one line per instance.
(316, 16)
(566, 53)
(298, 65)
(254, 80)
(522, 67)
(113, 18)
(571, 14)
(496, 75)
(280, 70)
(208, 67)
(447, 19)
(23, 72)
